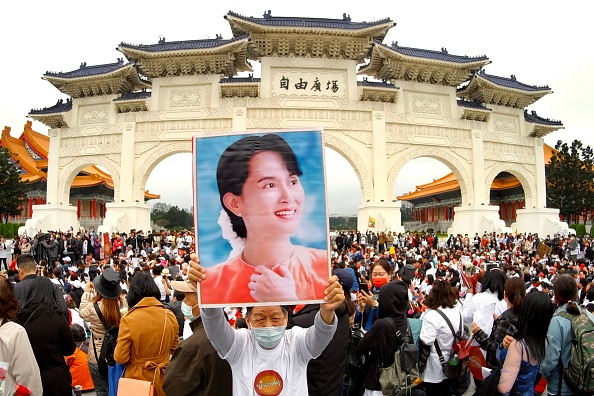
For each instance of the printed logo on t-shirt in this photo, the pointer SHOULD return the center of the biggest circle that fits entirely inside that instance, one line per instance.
(268, 383)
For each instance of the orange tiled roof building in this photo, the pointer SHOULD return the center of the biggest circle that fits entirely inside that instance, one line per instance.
(433, 204)
(91, 189)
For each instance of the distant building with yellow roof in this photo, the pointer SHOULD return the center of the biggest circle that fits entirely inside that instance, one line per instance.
(433, 204)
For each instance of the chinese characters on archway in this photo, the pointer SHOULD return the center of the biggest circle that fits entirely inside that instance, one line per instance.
(316, 85)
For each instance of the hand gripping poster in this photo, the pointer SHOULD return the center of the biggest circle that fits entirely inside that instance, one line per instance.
(261, 218)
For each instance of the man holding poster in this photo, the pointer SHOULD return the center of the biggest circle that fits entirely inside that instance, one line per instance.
(279, 244)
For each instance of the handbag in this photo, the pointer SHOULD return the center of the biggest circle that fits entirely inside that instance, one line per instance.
(137, 387)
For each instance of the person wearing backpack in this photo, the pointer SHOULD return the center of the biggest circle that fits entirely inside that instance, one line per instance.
(101, 296)
(380, 343)
(436, 331)
(559, 337)
(523, 356)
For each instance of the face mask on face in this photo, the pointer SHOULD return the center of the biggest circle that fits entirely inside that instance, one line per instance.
(379, 282)
(268, 337)
(187, 311)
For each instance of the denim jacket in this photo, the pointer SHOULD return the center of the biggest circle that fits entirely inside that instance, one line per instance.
(558, 345)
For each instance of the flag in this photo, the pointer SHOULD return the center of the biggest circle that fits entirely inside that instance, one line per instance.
(381, 223)
(371, 222)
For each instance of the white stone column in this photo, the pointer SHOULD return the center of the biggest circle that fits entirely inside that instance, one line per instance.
(127, 169)
(478, 170)
(541, 181)
(380, 162)
(53, 168)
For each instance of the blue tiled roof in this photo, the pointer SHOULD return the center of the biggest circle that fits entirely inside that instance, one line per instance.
(536, 119)
(378, 84)
(472, 104)
(87, 71)
(511, 82)
(442, 55)
(134, 96)
(229, 80)
(164, 46)
(344, 23)
(59, 107)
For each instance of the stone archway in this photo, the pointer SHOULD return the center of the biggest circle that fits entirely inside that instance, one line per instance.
(521, 172)
(143, 173)
(74, 167)
(447, 157)
(365, 180)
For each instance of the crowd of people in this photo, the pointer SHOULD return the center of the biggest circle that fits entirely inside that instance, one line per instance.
(62, 293)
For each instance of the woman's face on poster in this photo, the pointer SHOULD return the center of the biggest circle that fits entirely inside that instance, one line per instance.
(271, 201)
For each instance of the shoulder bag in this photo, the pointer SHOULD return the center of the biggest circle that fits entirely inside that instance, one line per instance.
(136, 387)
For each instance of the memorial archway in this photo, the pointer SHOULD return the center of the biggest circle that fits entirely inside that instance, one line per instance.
(410, 103)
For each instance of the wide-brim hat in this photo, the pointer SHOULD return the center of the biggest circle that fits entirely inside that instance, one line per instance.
(108, 284)
(184, 287)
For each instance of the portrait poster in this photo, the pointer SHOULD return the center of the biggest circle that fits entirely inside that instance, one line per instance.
(261, 218)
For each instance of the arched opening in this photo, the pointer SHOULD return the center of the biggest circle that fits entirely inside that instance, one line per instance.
(429, 192)
(92, 187)
(344, 191)
(169, 185)
(507, 193)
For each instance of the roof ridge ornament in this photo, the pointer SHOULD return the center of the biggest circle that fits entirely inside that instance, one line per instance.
(120, 61)
(268, 15)
(395, 44)
(346, 18)
(161, 39)
(83, 65)
(444, 50)
(218, 37)
(513, 77)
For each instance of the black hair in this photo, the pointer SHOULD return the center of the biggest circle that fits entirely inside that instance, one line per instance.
(232, 170)
(142, 285)
(494, 280)
(566, 292)
(178, 295)
(41, 295)
(27, 263)
(240, 323)
(533, 323)
(157, 270)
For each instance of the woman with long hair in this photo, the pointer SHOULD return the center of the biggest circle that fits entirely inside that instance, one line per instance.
(148, 333)
(263, 201)
(50, 336)
(434, 329)
(559, 335)
(525, 354)
(100, 295)
(367, 304)
(505, 324)
(15, 348)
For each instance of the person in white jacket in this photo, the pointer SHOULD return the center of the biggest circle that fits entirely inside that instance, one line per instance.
(15, 349)
(435, 329)
(480, 308)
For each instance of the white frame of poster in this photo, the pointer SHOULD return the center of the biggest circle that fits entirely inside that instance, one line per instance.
(212, 229)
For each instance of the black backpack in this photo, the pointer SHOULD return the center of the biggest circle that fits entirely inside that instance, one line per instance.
(355, 362)
(110, 340)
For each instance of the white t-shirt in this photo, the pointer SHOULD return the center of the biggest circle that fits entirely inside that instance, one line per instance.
(159, 283)
(283, 368)
(436, 328)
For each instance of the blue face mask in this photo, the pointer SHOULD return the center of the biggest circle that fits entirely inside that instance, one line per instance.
(268, 337)
(187, 311)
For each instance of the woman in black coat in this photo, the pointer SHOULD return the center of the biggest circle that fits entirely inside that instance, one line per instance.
(380, 342)
(50, 337)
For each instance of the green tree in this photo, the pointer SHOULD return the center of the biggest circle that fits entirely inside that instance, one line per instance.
(12, 189)
(173, 218)
(570, 179)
